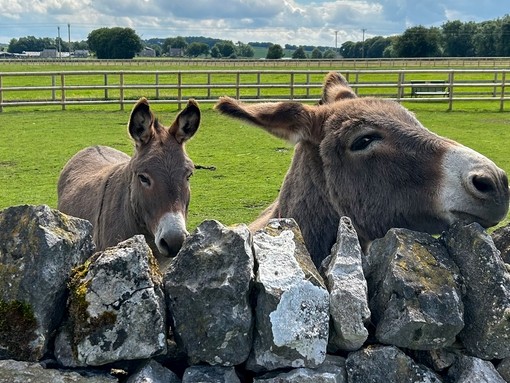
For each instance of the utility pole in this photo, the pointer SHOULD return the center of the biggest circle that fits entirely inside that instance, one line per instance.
(336, 41)
(363, 44)
(69, 37)
(59, 49)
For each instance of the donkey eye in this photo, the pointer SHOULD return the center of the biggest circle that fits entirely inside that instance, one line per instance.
(144, 180)
(361, 143)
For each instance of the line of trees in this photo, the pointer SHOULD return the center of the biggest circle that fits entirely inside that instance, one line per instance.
(452, 39)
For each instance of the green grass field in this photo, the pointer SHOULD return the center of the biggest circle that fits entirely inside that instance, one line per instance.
(250, 164)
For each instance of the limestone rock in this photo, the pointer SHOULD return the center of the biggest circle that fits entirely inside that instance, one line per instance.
(487, 282)
(504, 369)
(331, 371)
(501, 238)
(117, 306)
(153, 372)
(292, 310)
(208, 290)
(39, 247)
(468, 369)
(415, 296)
(343, 274)
(210, 374)
(12, 371)
(383, 364)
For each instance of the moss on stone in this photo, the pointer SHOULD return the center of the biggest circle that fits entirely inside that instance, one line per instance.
(17, 329)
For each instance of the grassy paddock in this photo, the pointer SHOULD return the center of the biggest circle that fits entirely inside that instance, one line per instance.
(250, 164)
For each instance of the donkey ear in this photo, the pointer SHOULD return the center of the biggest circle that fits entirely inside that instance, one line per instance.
(335, 88)
(291, 121)
(141, 122)
(187, 122)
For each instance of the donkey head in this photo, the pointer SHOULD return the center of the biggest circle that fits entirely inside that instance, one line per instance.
(375, 163)
(160, 172)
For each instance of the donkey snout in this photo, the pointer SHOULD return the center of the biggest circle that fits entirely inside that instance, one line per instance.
(473, 188)
(170, 234)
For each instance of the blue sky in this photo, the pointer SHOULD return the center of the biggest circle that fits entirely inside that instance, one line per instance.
(299, 22)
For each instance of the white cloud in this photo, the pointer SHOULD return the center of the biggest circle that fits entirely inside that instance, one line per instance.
(306, 22)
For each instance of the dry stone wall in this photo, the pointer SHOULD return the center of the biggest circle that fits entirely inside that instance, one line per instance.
(237, 307)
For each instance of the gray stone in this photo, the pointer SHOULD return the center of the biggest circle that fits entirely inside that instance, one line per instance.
(210, 374)
(12, 371)
(504, 369)
(415, 297)
(153, 372)
(117, 307)
(343, 274)
(384, 364)
(208, 290)
(501, 238)
(487, 282)
(39, 247)
(468, 369)
(331, 371)
(292, 311)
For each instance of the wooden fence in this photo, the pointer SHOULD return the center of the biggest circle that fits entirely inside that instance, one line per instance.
(65, 88)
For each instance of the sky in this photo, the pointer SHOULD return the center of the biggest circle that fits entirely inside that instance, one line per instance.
(296, 22)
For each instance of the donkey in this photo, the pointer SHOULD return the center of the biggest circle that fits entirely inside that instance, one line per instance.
(147, 194)
(371, 160)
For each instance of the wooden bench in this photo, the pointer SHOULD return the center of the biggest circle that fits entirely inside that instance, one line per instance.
(429, 88)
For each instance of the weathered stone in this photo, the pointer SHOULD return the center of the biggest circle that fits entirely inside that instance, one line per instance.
(39, 247)
(331, 371)
(468, 369)
(208, 291)
(415, 297)
(439, 360)
(292, 311)
(348, 301)
(153, 372)
(383, 364)
(487, 300)
(504, 369)
(501, 238)
(12, 371)
(117, 306)
(210, 374)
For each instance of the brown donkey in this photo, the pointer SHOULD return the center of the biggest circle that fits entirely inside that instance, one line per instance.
(371, 160)
(146, 194)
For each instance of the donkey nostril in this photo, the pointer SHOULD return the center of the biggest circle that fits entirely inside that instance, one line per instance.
(483, 184)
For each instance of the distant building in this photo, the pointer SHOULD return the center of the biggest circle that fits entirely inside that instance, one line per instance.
(148, 52)
(48, 54)
(176, 52)
(81, 53)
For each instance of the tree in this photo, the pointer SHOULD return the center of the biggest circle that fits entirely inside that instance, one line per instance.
(316, 53)
(329, 54)
(245, 50)
(418, 42)
(197, 49)
(225, 48)
(274, 52)
(114, 43)
(485, 39)
(299, 54)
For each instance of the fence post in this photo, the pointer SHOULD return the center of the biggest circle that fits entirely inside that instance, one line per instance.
(1, 96)
(179, 90)
(400, 88)
(63, 90)
(502, 100)
(121, 88)
(450, 90)
(157, 85)
(106, 86)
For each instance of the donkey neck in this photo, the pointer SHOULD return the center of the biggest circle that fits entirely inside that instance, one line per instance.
(304, 197)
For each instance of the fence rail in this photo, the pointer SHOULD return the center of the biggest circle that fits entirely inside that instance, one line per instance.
(65, 88)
